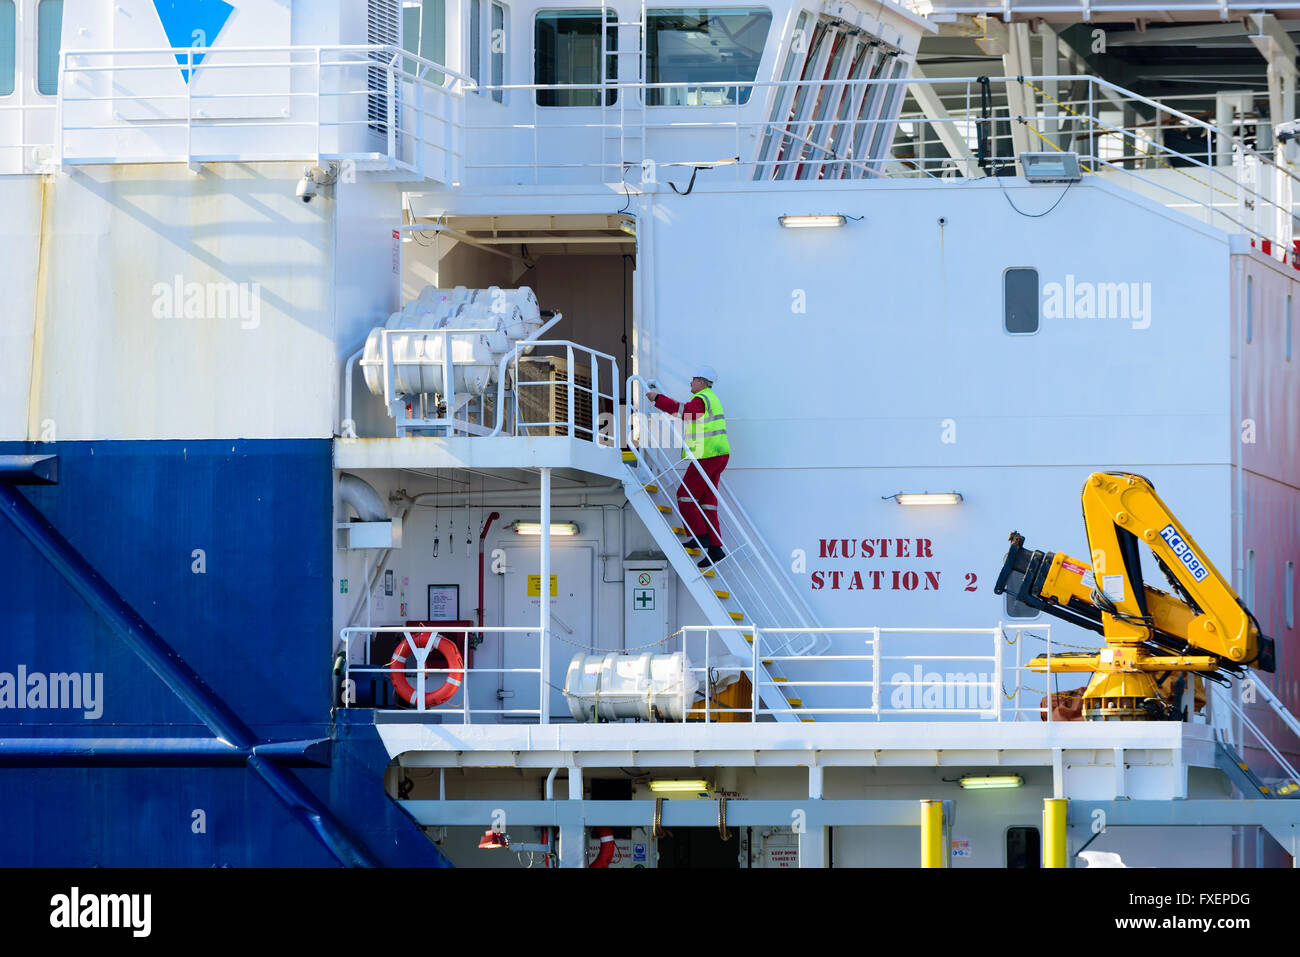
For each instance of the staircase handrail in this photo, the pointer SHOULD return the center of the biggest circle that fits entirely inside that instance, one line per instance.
(732, 512)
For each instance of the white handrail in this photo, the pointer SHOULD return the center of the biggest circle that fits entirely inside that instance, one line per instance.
(767, 593)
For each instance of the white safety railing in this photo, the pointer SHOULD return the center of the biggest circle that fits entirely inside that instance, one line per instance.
(375, 106)
(528, 400)
(359, 667)
(869, 673)
(582, 384)
(755, 581)
(381, 107)
(1224, 698)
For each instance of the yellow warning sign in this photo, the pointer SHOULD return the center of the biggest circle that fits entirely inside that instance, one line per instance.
(535, 586)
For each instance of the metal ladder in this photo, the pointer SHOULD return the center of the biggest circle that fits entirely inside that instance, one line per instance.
(627, 146)
(747, 586)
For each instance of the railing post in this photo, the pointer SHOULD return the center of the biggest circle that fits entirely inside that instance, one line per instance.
(995, 699)
(392, 118)
(753, 691)
(544, 704)
(189, 112)
(875, 671)
(338, 146)
(58, 111)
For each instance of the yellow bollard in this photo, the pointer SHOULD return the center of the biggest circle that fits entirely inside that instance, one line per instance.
(1054, 832)
(932, 834)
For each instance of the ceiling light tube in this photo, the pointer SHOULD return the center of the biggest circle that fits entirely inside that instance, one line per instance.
(695, 786)
(991, 782)
(926, 498)
(801, 222)
(535, 528)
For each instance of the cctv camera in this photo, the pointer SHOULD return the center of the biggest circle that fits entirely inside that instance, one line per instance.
(306, 189)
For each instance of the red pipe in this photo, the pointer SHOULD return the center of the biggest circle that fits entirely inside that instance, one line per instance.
(486, 525)
(607, 848)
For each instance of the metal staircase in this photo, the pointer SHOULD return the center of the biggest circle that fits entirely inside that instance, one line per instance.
(747, 586)
(1229, 760)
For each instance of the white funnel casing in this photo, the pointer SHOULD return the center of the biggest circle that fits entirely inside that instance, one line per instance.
(497, 317)
(646, 686)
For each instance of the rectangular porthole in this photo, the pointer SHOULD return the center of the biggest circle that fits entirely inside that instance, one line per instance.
(1020, 301)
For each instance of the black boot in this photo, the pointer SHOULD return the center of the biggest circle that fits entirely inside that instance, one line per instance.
(716, 554)
(693, 543)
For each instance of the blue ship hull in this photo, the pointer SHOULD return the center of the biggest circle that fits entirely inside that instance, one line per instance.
(187, 584)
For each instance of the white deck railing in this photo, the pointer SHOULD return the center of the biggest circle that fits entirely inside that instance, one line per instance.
(869, 673)
(380, 107)
(250, 104)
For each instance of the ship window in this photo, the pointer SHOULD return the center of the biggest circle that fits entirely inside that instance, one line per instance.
(706, 46)
(7, 49)
(568, 51)
(1018, 609)
(49, 31)
(1288, 587)
(476, 40)
(1288, 328)
(1020, 301)
(424, 33)
(1024, 848)
(497, 47)
(1250, 579)
(1250, 309)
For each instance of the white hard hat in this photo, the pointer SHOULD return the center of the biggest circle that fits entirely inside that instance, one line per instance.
(706, 373)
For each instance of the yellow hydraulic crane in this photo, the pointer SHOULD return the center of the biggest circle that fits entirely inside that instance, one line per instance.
(1203, 628)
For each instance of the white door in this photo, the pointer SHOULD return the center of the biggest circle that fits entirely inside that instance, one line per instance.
(572, 614)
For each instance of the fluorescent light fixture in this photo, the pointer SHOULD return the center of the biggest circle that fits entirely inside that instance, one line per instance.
(803, 222)
(706, 164)
(1051, 167)
(926, 498)
(989, 783)
(695, 786)
(535, 528)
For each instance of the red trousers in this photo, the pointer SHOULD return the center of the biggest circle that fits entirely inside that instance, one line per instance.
(702, 518)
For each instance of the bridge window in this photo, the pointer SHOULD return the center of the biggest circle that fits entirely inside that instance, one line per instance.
(424, 33)
(1020, 301)
(706, 46)
(7, 48)
(568, 50)
(49, 31)
(497, 49)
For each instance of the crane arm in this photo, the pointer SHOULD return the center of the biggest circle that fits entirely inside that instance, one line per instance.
(1203, 627)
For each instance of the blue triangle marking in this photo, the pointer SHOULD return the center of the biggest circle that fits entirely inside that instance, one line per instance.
(183, 19)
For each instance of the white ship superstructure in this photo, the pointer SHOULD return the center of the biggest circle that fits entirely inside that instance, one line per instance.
(366, 299)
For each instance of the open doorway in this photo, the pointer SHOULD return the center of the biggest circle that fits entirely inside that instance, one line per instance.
(580, 266)
(699, 847)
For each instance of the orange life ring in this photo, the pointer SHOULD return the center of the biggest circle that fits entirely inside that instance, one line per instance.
(441, 645)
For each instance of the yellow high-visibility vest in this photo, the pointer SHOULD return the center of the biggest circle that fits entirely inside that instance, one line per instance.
(706, 435)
